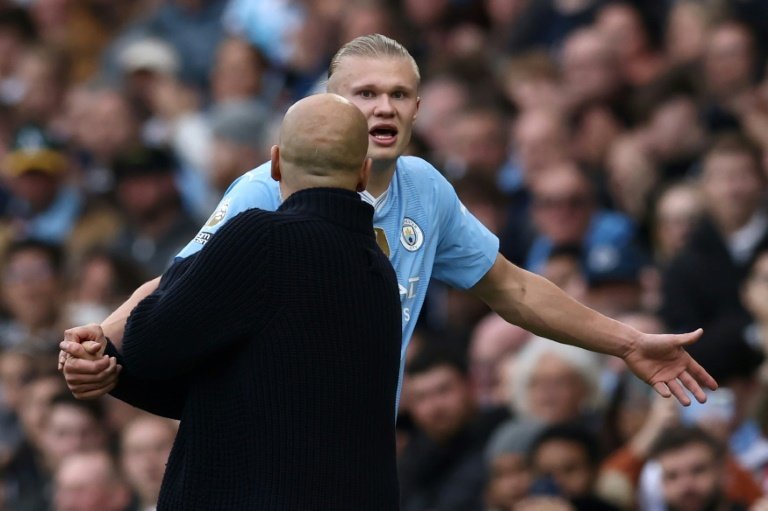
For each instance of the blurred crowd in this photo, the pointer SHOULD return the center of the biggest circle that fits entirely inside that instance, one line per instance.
(619, 148)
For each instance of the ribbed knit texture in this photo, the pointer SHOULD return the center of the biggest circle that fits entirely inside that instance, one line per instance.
(279, 346)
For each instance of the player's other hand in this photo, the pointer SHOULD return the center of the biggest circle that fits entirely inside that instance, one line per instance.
(662, 362)
(88, 372)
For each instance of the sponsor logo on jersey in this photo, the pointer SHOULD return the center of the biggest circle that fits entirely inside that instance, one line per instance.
(202, 237)
(219, 214)
(411, 236)
(381, 240)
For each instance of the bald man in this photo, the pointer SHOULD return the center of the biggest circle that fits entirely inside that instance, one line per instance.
(278, 344)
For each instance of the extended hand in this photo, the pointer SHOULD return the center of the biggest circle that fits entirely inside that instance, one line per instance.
(88, 372)
(662, 362)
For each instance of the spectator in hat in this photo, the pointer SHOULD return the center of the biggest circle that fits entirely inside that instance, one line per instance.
(239, 144)
(156, 224)
(43, 204)
(614, 278)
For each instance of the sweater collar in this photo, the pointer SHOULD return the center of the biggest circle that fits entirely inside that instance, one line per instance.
(342, 207)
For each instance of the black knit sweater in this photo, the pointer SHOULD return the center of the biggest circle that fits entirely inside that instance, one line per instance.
(278, 347)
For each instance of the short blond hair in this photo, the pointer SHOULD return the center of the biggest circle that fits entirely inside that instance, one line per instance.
(372, 46)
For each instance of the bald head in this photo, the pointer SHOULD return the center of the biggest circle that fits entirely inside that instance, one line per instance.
(323, 143)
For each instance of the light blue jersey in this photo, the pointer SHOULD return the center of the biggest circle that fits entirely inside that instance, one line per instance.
(419, 221)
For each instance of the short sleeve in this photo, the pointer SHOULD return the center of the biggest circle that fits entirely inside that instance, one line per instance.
(255, 189)
(466, 248)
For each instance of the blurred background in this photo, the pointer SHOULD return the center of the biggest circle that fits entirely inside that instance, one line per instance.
(616, 147)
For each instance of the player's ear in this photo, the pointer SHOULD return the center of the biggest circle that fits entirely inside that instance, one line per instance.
(365, 173)
(418, 104)
(274, 154)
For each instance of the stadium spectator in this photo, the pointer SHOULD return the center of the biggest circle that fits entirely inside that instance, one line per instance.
(702, 282)
(90, 481)
(145, 443)
(442, 466)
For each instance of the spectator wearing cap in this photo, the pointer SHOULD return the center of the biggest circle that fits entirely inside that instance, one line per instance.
(703, 281)
(240, 143)
(565, 212)
(509, 472)
(614, 278)
(43, 206)
(156, 224)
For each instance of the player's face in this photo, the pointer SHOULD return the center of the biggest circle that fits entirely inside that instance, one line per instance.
(385, 90)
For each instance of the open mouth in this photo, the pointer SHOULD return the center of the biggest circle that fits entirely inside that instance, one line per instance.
(384, 135)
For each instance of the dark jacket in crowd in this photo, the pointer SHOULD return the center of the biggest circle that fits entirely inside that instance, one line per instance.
(703, 282)
(278, 347)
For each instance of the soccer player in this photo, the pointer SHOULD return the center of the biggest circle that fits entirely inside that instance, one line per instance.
(426, 232)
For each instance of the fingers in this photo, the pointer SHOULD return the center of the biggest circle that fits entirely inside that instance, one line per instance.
(63, 356)
(693, 386)
(74, 349)
(662, 389)
(701, 375)
(88, 386)
(91, 332)
(81, 370)
(92, 347)
(679, 393)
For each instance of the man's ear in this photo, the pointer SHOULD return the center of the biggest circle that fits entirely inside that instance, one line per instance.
(274, 155)
(418, 104)
(365, 174)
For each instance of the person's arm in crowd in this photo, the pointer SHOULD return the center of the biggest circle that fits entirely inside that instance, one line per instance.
(536, 304)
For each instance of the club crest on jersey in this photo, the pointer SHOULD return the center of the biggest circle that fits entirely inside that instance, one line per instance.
(219, 214)
(411, 236)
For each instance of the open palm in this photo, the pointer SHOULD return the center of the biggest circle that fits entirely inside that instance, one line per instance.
(662, 362)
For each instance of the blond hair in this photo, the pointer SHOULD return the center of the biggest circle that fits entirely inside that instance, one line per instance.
(372, 46)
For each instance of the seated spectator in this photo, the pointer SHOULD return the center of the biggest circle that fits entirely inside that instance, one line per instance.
(32, 291)
(240, 143)
(693, 471)
(157, 226)
(492, 344)
(564, 459)
(702, 283)
(677, 211)
(565, 212)
(614, 279)
(145, 444)
(509, 471)
(90, 481)
(442, 466)
(555, 383)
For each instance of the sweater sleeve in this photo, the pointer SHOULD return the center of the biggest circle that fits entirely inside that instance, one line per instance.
(217, 300)
(161, 397)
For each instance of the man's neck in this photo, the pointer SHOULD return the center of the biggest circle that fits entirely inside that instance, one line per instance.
(381, 175)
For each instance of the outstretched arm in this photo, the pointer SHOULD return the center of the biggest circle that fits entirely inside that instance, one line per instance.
(534, 303)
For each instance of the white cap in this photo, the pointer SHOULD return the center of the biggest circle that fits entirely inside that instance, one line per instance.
(150, 54)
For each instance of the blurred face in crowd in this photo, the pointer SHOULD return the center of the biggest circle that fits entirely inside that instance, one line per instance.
(385, 90)
(623, 28)
(589, 67)
(88, 482)
(691, 478)
(631, 176)
(732, 188)
(35, 402)
(556, 391)
(755, 291)
(562, 204)
(478, 139)
(145, 197)
(567, 462)
(107, 124)
(145, 447)
(31, 288)
(230, 160)
(493, 340)
(70, 429)
(539, 141)
(237, 72)
(441, 402)
(504, 12)
(441, 99)
(38, 74)
(686, 33)
(677, 211)
(362, 19)
(425, 13)
(16, 370)
(594, 135)
(674, 129)
(729, 60)
(508, 481)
